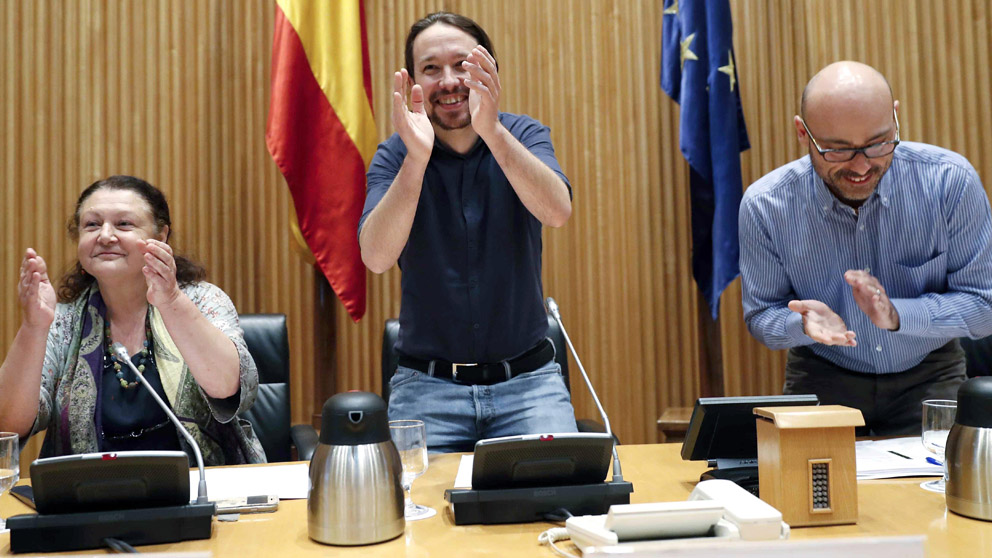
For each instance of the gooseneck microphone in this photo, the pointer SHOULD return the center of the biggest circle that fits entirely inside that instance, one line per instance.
(201, 491)
(553, 308)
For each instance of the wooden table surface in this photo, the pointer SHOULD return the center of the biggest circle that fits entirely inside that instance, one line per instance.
(886, 507)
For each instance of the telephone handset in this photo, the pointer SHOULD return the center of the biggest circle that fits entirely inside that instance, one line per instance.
(716, 509)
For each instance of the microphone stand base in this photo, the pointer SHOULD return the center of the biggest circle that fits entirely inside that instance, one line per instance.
(526, 505)
(77, 531)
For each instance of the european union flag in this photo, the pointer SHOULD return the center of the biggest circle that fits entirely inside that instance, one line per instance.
(699, 72)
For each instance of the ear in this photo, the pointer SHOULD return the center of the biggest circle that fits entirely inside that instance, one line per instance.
(163, 235)
(895, 106)
(801, 134)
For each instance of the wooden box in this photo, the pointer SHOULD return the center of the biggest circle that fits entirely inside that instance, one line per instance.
(806, 464)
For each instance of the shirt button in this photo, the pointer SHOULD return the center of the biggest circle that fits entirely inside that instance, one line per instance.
(878, 348)
(862, 227)
(476, 326)
(473, 282)
(867, 269)
(826, 208)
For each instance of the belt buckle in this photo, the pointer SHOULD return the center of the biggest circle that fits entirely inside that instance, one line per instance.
(455, 365)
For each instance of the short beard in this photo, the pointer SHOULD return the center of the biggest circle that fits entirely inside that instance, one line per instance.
(440, 123)
(832, 185)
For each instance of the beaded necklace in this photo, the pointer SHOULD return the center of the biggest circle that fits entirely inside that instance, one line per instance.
(145, 357)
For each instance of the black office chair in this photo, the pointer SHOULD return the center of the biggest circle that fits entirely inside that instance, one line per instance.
(978, 356)
(268, 343)
(390, 360)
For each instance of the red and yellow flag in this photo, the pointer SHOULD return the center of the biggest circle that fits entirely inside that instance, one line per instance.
(321, 132)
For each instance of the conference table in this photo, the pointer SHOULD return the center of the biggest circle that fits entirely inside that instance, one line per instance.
(886, 508)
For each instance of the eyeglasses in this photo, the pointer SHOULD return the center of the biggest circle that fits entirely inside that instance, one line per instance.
(870, 151)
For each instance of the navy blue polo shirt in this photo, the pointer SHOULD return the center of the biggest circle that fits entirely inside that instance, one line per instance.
(471, 281)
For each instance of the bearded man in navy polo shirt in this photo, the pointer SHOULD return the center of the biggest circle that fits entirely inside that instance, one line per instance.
(458, 196)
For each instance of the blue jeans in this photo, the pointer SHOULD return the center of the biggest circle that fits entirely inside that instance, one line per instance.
(457, 415)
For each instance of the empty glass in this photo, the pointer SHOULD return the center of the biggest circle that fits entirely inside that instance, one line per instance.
(938, 417)
(10, 466)
(410, 438)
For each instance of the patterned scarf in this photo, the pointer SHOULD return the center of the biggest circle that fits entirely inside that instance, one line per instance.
(81, 409)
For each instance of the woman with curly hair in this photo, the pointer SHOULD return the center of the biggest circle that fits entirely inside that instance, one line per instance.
(127, 286)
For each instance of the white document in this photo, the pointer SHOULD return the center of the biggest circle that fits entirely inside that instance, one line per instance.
(463, 478)
(289, 482)
(898, 457)
(863, 547)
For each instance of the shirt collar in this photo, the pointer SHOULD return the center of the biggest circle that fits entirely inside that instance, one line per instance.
(444, 148)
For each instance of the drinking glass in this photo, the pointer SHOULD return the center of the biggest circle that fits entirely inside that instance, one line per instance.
(410, 438)
(9, 465)
(938, 417)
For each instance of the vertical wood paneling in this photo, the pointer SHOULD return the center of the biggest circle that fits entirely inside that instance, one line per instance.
(176, 91)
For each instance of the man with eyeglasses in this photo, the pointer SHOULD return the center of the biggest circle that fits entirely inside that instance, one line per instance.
(868, 258)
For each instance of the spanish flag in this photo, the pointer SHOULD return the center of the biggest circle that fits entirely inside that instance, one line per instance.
(321, 132)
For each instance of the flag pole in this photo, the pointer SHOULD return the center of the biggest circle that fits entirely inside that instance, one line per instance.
(325, 347)
(710, 350)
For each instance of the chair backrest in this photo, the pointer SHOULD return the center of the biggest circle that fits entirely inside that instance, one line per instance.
(268, 343)
(978, 356)
(390, 358)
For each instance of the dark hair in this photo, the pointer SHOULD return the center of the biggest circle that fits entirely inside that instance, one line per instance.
(76, 281)
(454, 20)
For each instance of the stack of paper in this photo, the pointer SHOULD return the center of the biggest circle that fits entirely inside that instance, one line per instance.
(290, 481)
(897, 457)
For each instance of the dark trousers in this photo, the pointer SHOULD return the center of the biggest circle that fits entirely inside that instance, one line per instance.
(892, 404)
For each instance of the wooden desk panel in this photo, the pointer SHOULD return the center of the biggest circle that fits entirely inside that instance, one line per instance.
(886, 507)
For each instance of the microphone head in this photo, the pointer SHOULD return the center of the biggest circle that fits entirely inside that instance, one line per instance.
(552, 307)
(120, 350)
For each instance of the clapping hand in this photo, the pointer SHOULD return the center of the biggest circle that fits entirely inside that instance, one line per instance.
(160, 272)
(411, 123)
(484, 90)
(871, 298)
(823, 324)
(35, 291)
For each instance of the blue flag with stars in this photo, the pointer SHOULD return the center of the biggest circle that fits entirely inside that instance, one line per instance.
(699, 72)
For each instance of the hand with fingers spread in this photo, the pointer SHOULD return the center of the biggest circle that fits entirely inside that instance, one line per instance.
(484, 90)
(160, 272)
(35, 291)
(823, 324)
(410, 120)
(871, 298)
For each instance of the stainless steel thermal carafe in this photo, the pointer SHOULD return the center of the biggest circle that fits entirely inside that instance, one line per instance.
(355, 493)
(968, 453)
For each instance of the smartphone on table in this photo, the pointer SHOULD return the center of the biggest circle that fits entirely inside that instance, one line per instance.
(248, 504)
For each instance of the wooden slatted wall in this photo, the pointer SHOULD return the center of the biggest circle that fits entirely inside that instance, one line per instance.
(176, 91)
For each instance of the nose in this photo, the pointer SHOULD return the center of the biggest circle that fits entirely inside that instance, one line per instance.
(107, 233)
(451, 77)
(860, 163)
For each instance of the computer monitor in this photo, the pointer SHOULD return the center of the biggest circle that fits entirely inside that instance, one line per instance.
(723, 430)
(724, 427)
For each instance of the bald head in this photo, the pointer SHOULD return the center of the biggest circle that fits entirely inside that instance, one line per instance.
(845, 84)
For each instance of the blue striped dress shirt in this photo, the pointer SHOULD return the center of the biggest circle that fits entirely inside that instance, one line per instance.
(924, 233)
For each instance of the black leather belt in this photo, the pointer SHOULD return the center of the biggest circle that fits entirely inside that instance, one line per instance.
(485, 374)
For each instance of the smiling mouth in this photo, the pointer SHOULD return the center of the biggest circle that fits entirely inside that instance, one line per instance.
(450, 101)
(858, 179)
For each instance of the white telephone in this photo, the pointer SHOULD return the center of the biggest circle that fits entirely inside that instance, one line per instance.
(717, 509)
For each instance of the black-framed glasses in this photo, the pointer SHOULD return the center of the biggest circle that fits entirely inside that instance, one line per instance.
(880, 149)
